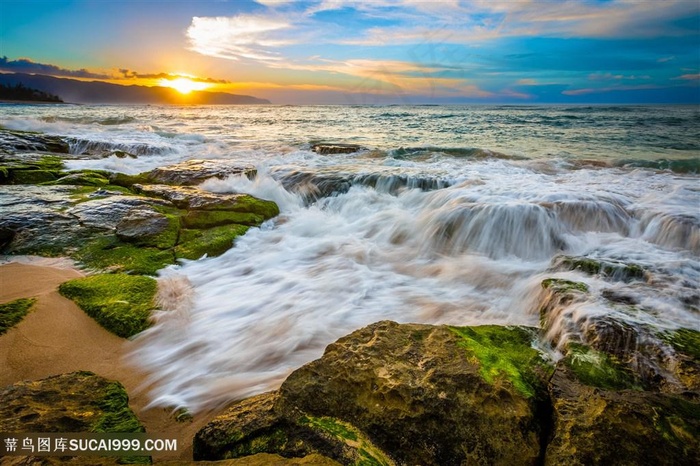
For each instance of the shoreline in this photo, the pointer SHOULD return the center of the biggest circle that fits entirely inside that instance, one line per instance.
(57, 337)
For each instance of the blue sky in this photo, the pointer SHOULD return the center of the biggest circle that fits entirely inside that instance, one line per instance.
(377, 51)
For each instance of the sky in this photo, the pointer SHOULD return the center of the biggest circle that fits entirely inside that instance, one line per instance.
(369, 52)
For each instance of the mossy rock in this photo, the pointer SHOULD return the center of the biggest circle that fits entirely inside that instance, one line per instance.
(127, 181)
(506, 353)
(685, 341)
(193, 244)
(598, 369)
(422, 396)
(120, 303)
(33, 176)
(109, 253)
(594, 426)
(203, 219)
(84, 178)
(614, 270)
(13, 312)
(74, 402)
(45, 169)
(561, 285)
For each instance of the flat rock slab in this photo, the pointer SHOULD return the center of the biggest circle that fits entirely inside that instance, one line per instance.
(195, 171)
(330, 148)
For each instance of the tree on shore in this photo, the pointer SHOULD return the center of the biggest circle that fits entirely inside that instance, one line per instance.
(21, 92)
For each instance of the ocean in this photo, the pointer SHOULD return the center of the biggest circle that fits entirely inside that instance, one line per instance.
(449, 215)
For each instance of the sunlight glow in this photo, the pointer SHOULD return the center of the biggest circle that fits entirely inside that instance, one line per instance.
(183, 85)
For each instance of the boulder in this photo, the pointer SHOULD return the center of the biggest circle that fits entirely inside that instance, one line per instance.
(106, 213)
(74, 402)
(594, 426)
(400, 394)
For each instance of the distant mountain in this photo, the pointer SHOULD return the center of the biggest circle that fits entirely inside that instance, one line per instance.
(97, 92)
(23, 93)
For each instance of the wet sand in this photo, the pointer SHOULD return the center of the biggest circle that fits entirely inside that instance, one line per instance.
(58, 337)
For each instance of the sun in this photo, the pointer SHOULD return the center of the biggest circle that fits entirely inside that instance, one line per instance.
(183, 85)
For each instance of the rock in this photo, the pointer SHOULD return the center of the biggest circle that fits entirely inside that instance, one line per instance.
(190, 198)
(75, 402)
(252, 426)
(404, 394)
(627, 427)
(193, 172)
(194, 244)
(556, 316)
(30, 169)
(85, 178)
(336, 148)
(614, 270)
(106, 213)
(142, 225)
(120, 303)
(12, 141)
(33, 220)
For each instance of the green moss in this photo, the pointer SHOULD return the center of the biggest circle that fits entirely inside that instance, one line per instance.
(84, 178)
(684, 340)
(108, 253)
(598, 369)
(367, 453)
(117, 417)
(166, 239)
(47, 168)
(193, 244)
(127, 181)
(262, 207)
(608, 269)
(561, 285)
(505, 353)
(213, 218)
(270, 442)
(13, 312)
(120, 303)
(678, 422)
(183, 415)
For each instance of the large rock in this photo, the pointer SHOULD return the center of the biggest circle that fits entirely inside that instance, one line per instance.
(191, 198)
(407, 394)
(594, 426)
(75, 402)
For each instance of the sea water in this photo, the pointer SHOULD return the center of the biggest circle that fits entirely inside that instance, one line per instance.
(450, 214)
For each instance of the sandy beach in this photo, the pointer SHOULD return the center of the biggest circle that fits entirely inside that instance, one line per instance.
(57, 337)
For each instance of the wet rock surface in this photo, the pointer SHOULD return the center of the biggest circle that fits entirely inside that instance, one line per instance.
(412, 393)
(75, 402)
(21, 141)
(195, 171)
(336, 148)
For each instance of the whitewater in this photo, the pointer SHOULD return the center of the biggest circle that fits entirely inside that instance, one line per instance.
(448, 214)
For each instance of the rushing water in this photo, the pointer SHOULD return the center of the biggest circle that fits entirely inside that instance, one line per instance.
(453, 215)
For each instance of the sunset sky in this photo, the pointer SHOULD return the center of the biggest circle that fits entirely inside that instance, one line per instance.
(378, 51)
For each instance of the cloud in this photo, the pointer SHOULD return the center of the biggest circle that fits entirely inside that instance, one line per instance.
(689, 77)
(239, 37)
(25, 65)
(616, 77)
(599, 90)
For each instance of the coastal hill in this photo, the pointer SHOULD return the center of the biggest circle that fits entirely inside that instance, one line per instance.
(20, 92)
(95, 92)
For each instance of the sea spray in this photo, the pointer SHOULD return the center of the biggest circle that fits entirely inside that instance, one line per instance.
(469, 254)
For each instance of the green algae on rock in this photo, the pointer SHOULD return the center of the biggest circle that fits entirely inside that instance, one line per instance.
(418, 396)
(74, 402)
(614, 270)
(13, 312)
(193, 244)
(506, 353)
(120, 303)
(598, 369)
